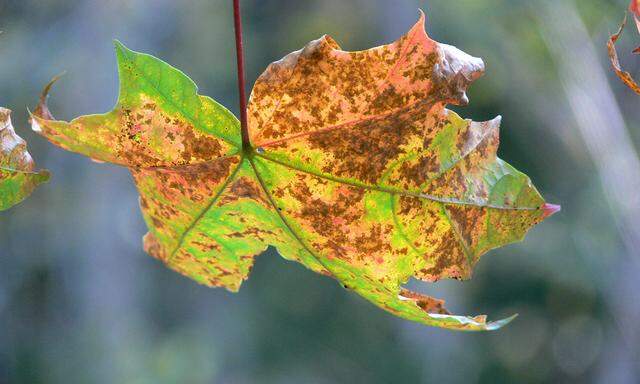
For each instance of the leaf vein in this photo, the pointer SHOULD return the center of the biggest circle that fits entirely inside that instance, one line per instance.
(443, 200)
(202, 213)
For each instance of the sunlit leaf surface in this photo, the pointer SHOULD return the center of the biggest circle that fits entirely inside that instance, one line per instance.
(356, 170)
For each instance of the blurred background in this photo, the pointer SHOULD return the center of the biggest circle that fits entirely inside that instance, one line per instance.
(80, 302)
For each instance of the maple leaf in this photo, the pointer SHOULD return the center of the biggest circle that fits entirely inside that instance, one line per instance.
(17, 176)
(356, 170)
(634, 8)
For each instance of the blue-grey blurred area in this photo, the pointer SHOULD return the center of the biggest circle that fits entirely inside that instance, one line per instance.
(80, 302)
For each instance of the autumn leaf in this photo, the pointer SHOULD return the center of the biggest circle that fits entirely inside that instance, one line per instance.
(356, 170)
(634, 8)
(17, 176)
(627, 79)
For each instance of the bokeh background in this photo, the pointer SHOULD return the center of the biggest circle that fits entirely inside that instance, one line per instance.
(80, 302)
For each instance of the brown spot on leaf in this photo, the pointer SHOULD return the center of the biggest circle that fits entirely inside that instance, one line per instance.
(427, 303)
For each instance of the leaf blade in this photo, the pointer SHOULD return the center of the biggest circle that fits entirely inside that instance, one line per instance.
(360, 172)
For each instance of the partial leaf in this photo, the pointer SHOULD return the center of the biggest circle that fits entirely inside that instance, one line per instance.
(356, 170)
(17, 176)
(634, 8)
(623, 75)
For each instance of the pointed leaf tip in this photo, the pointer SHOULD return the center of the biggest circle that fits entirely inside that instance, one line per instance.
(42, 110)
(550, 209)
(495, 325)
(421, 18)
(118, 44)
(121, 49)
(420, 25)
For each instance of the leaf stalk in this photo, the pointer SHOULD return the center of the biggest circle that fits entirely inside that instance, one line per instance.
(237, 23)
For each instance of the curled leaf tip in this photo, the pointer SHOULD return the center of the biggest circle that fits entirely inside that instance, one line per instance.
(42, 110)
(495, 325)
(455, 71)
(613, 57)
